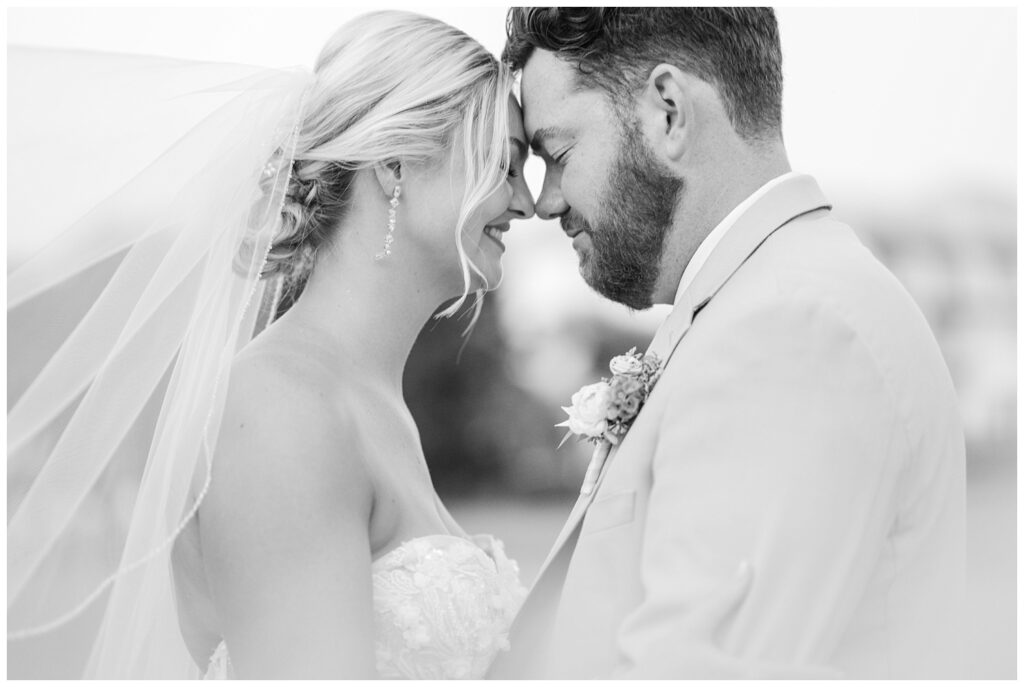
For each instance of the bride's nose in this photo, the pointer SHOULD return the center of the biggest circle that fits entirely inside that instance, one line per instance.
(521, 206)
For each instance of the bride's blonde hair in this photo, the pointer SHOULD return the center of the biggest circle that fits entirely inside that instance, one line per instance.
(392, 86)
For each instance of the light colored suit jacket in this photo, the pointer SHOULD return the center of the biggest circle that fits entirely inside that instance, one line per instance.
(790, 500)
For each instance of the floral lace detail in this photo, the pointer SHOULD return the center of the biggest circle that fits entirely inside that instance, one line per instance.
(443, 606)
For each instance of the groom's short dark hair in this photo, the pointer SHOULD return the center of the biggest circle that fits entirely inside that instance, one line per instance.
(614, 48)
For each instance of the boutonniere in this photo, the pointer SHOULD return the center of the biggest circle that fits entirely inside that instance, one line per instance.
(602, 413)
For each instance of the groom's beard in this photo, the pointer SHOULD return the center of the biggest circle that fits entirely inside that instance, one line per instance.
(628, 236)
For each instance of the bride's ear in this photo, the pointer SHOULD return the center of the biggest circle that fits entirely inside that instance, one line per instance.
(389, 174)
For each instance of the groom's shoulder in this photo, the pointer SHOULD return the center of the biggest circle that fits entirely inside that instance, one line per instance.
(815, 284)
(820, 250)
(809, 279)
(820, 261)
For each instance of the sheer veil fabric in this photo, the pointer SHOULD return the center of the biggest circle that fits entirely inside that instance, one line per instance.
(147, 192)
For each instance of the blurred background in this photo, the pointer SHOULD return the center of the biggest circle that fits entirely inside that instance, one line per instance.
(907, 117)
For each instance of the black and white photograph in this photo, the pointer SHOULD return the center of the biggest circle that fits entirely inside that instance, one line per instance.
(511, 343)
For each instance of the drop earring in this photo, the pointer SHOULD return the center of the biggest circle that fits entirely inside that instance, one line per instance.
(390, 237)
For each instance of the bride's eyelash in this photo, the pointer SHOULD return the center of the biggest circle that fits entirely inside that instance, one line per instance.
(511, 166)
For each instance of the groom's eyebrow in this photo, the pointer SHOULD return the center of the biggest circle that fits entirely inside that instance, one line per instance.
(542, 135)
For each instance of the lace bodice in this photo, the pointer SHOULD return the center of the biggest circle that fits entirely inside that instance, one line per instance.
(442, 609)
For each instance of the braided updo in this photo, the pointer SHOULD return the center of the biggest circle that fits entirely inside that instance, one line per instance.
(314, 203)
(389, 86)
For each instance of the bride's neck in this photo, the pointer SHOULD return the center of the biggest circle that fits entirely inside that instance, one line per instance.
(366, 314)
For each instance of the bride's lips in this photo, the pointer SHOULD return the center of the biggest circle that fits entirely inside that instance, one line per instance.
(494, 232)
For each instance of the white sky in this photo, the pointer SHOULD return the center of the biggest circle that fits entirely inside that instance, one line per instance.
(874, 96)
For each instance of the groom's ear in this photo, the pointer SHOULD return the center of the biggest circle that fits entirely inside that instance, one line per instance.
(388, 173)
(667, 102)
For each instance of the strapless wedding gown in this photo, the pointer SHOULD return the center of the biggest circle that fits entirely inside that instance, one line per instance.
(443, 606)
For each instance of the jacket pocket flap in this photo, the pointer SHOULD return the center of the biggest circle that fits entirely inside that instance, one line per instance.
(609, 510)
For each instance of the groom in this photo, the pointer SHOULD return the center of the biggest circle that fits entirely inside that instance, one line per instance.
(790, 499)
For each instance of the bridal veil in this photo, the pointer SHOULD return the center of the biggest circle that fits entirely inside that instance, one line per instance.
(146, 193)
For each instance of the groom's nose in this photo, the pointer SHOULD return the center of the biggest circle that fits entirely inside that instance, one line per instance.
(551, 202)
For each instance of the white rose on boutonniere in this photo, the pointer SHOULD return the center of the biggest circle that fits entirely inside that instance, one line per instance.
(605, 410)
(588, 414)
(602, 413)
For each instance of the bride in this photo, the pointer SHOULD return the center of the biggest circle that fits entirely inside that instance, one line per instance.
(280, 262)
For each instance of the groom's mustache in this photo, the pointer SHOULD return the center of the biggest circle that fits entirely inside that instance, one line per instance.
(573, 223)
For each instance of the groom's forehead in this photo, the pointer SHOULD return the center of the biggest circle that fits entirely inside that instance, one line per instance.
(551, 93)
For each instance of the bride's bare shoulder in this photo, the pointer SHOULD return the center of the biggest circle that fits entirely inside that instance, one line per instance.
(290, 498)
(283, 427)
(277, 377)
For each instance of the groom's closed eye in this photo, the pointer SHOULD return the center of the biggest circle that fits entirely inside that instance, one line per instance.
(541, 141)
